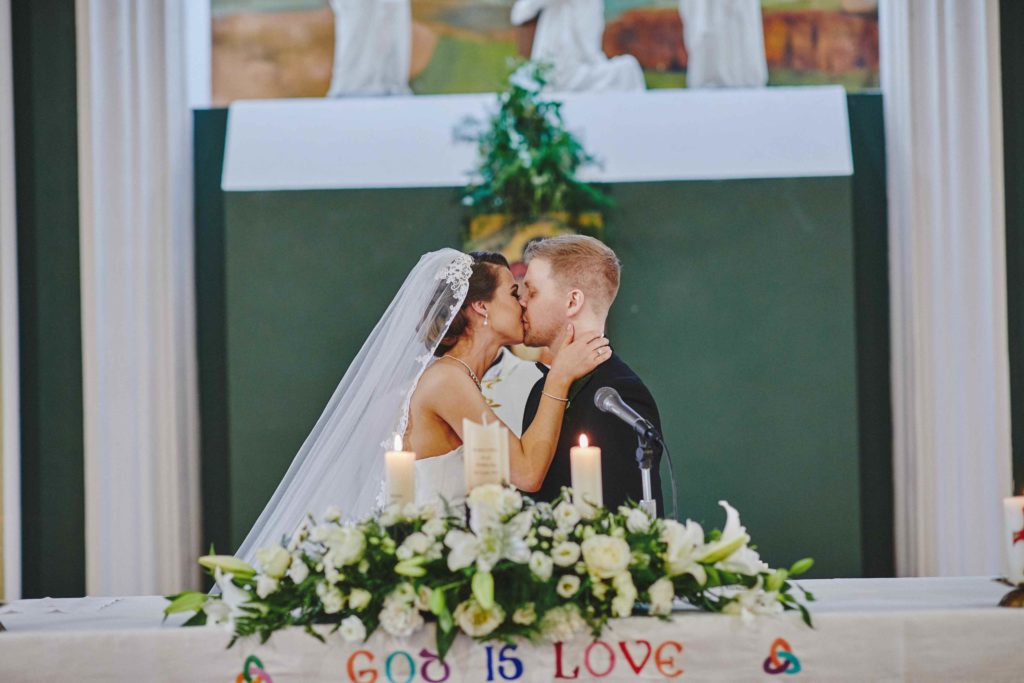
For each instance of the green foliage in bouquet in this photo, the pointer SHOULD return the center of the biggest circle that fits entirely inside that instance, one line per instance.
(500, 568)
(528, 160)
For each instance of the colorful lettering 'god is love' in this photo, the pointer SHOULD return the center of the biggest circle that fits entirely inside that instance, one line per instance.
(597, 660)
(781, 660)
(252, 672)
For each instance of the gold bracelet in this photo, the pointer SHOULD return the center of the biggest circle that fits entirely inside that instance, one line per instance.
(563, 400)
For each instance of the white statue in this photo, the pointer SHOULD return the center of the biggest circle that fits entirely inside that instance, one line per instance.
(724, 43)
(568, 38)
(372, 47)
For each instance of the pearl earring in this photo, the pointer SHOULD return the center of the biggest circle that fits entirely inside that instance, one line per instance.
(485, 318)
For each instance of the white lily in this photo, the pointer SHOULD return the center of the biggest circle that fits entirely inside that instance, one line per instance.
(734, 536)
(685, 544)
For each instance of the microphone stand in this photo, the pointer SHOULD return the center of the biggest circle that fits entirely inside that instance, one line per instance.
(644, 459)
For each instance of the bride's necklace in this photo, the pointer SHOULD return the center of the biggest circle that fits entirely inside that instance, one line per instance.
(472, 374)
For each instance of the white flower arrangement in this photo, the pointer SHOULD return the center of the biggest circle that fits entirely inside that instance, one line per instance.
(502, 567)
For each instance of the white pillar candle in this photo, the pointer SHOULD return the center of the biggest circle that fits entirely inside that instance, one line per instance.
(1013, 530)
(485, 453)
(585, 466)
(401, 474)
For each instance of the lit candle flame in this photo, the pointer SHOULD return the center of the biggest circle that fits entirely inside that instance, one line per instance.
(398, 442)
(584, 442)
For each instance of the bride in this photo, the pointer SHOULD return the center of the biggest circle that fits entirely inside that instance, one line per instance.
(415, 379)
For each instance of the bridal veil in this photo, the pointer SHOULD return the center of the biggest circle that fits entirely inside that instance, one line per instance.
(342, 460)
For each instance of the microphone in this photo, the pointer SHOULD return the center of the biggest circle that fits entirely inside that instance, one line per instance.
(608, 400)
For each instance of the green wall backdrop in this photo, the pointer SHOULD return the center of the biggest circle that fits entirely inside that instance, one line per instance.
(742, 306)
(46, 158)
(1011, 22)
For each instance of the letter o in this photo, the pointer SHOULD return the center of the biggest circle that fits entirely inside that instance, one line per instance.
(611, 658)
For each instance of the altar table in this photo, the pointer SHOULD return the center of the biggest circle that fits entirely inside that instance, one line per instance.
(933, 629)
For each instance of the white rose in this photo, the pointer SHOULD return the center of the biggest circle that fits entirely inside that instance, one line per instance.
(331, 573)
(417, 542)
(347, 545)
(566, 515)
(332, 599)
(511, 502)
(565, 553)
(332, 514)
(390, 515)
(486, 498)
(525, 615)
(435, 527)
(352, 629)
(273, 560)
(541, 565)
(622, 605)
(625, 595)
(476, 621)
(358, 599)
(661, 593)
(298, 571)
(423, 598)
(561, 623)
(431, 510)
(605, 556)
(404, 593)
(265, 585)
(568, 585)
(400, 619)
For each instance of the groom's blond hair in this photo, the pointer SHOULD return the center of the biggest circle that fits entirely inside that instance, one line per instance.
(580, 262)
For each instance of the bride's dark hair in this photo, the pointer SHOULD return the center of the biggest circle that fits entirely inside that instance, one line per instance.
(482, 284)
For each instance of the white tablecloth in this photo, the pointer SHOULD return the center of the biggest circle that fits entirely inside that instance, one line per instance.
(865, 630)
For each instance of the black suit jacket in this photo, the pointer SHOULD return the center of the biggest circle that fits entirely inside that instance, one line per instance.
(620, 475)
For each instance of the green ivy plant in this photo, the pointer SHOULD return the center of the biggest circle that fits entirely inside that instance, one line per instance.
(528, 159)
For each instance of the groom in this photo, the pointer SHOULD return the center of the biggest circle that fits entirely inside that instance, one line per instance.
(574, 279)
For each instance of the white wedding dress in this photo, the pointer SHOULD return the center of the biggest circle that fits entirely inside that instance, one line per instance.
(441, 477)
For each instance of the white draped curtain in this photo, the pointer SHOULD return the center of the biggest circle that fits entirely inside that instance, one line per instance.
(141, 434)
(940, 76)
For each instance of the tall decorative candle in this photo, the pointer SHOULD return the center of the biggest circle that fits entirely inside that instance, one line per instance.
(485, 446)
(1013, 535)
(401, 474)
(585, 466)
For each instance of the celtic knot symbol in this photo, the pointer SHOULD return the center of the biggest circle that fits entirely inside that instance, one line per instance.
(252, 672)
(781, 660)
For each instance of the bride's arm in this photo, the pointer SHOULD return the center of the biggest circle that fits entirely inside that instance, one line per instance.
(452, 395)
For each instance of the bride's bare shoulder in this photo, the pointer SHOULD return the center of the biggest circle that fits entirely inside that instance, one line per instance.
(442, 379)
(438, 376)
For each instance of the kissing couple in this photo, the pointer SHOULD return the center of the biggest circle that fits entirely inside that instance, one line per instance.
(419, 374)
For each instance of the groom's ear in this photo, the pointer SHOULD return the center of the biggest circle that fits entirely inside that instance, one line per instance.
(576, 301)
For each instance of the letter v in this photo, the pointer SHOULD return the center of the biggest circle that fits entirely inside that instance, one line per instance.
(629, 657)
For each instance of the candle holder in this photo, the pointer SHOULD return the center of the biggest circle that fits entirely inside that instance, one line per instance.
(1014, 598)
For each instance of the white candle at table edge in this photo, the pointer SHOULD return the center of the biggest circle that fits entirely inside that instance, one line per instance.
(1013, 522)
(401, 474)
(585, 468)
